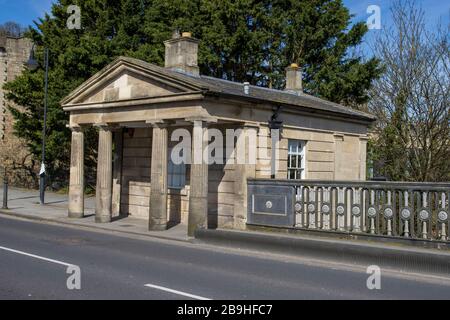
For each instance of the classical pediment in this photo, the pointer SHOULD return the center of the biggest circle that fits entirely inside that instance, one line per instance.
(124, 80)
(128, 86)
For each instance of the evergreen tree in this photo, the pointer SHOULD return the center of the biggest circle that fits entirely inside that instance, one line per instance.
(241, 40)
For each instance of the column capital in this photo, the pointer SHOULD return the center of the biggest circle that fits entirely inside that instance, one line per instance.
(251, 125)
(107, 126)
(157, 123)
(203, 120)
(75, 128)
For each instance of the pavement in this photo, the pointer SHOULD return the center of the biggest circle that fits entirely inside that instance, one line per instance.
(24, 203)
(35, 256)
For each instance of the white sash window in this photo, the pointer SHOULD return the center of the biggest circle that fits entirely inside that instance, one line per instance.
(296, 160)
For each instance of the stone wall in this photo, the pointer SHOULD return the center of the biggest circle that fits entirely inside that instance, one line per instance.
(329, 156)
(14, 52)
(136, 182)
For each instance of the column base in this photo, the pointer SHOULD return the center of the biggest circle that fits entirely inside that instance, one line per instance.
(157, 227)
(240, 223)
(160, 227)
(158, 212)
(198, 214)
(102, 219)
(75, 215)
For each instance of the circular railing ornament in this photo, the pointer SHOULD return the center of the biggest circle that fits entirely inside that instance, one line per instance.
(298, 207)
(356, 211)
(424, 215)
(311, 208)
(443, 216)
(372, 212)
(326, 209)
(340, 209)
(388, 213)
(269, 204)
(405, 213)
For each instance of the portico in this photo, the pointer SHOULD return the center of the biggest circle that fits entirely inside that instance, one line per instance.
(139, 109)
(158, 200)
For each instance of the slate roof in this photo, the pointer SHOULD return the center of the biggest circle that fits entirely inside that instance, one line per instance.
(281, 97)
(215, 86)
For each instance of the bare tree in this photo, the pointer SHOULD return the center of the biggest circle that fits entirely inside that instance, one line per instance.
(411, 140)
(11, 29)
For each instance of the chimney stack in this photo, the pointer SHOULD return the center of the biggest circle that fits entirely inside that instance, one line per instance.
(294, 79)
(182, 53)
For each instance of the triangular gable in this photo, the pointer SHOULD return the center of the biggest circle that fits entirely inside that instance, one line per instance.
(123, 80)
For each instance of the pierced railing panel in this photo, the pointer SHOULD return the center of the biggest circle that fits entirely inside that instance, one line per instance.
(406, 210)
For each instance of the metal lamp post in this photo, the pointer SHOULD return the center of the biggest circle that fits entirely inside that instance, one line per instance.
(32, 64)
(274, 124)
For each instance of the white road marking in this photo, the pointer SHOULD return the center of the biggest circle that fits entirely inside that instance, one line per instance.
(181, 293)
(37, 257)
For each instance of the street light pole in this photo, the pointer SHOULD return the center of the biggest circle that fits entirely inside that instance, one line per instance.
(42, 172)
(275, 127)
(32, 64)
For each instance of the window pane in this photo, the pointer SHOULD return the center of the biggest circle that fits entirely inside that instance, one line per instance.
(293, 162)
(291, 174)
(291, 146)
(176, 174)
(299, 162)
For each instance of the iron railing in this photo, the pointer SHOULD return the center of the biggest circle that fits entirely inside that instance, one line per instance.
(393, 209)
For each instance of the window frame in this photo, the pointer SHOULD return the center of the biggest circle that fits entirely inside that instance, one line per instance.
(299, 150)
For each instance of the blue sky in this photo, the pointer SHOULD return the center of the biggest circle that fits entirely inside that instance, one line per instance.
(435, 10)
(25, 11)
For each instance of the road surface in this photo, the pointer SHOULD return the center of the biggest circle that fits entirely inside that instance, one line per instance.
(34, 258)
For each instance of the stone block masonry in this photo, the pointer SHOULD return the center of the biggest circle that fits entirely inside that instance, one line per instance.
(14, 52)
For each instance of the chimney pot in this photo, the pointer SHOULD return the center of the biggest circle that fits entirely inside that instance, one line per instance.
(176, 34)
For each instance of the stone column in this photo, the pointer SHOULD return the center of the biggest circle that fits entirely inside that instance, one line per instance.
(198, 197)
(246, 143)
(363, 157)
(103, 198)
(158, 192)
(76, 182)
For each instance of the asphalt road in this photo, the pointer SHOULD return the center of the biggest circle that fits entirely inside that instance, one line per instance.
(34, 259)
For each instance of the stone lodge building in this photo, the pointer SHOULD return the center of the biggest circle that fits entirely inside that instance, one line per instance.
(136, 107)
